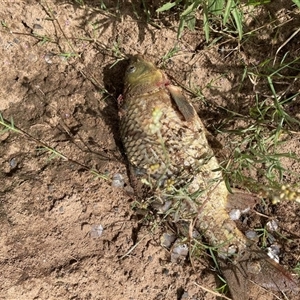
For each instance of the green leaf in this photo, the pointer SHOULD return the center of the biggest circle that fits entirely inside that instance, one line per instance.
(238, 21)
(205, 22)
(166, 6)
(180, 27)
(297, 2)
(191, 23)
(188, 10)
(216, 6)
(258, 2)
(227, 11)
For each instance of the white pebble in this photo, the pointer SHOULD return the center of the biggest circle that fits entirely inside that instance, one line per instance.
(179, 252)
(251, 234)
(272, 225)
(245, 211)
(235, 214)
(48, 57)
(118, 181)
(273, 252)
(96, 231)
(167, 239)
(196, 234)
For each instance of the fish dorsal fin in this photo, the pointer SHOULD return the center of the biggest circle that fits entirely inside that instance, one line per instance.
(240, 199)
(183, 105)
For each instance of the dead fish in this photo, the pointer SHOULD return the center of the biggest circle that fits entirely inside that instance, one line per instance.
(174, 168)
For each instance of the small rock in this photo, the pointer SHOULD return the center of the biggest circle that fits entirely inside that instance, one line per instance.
(13, 163)
(272, 225)
(16, 41)
(48, 57)
(196, 234)
(179, 252)
(37, 26)
(271, 238)
(273, 252)
(118, 181)
(96, 231)
(235, 214)
(32, 58)
(50, 188)
(167, 239)
(251, 235)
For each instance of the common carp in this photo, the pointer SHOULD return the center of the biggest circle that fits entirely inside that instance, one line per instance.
(173, 167)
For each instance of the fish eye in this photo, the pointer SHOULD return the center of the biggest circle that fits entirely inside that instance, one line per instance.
(131, 69)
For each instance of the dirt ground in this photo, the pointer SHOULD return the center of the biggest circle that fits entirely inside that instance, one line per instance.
(59, 83)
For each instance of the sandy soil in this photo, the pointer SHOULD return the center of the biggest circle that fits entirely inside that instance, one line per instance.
(59, 83)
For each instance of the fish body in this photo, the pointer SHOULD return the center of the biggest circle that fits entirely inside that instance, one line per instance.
(174, 168)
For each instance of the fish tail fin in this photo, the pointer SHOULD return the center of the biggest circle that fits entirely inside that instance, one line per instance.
(254, 268)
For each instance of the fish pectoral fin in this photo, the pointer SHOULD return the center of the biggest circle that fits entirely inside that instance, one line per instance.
(183, 105)
(255, 268)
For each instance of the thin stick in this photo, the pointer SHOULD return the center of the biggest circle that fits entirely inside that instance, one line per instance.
(11, 126)
(133, 247)
(212, 292)
(295, 33)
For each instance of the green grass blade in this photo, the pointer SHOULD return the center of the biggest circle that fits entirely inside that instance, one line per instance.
(166, 6)
(205, 22)
(180, 27)
(297, 2)
(191, 23)
(258, 2)
(227, 11)
(216, 7)
(238, 21)
(188, 10)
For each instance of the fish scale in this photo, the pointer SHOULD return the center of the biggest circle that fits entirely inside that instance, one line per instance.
(172, 163)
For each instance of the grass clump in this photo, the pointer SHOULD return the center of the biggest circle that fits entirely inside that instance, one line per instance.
(226, 14)
(258, 139)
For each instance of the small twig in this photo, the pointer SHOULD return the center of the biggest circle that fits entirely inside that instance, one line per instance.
(295, 33)
(212, 292)
(262, 215)
(132, 248)
(268, 291)
(48, 10)
(11, 126)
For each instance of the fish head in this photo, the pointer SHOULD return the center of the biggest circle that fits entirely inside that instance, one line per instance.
(142, 76)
